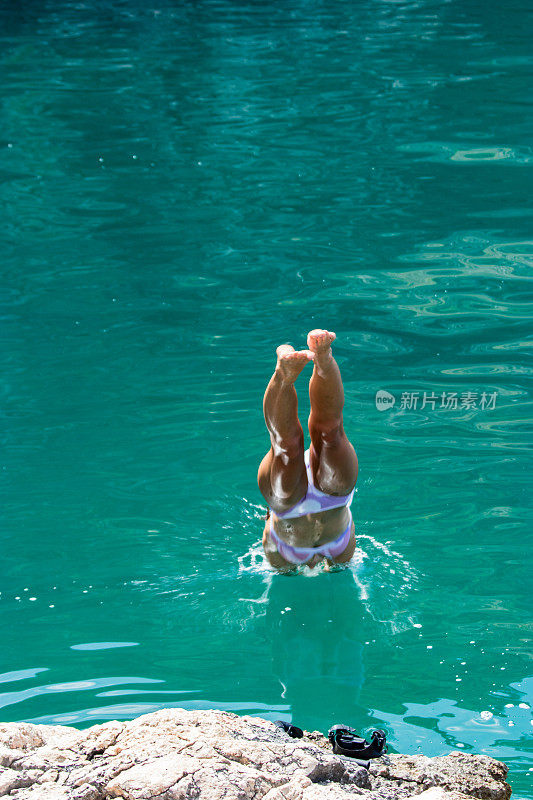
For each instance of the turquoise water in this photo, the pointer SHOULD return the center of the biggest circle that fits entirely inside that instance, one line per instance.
(185, 186)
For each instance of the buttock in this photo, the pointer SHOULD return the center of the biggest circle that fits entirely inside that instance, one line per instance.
(301, 555)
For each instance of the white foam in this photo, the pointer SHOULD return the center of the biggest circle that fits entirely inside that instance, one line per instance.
(254, 560)
(385, 583)
(384, 579)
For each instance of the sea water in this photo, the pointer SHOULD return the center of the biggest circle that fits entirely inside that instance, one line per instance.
(184, 187)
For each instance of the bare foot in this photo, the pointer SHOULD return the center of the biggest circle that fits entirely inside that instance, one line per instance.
(291, 362)
(319, 341)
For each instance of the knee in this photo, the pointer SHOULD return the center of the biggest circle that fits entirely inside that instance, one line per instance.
(329, 434)
(288, 447)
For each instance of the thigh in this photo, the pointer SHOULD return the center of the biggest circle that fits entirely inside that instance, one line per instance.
(334, 464)
(282, 478)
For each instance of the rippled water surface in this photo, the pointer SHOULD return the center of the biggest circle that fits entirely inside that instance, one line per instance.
(185, 186)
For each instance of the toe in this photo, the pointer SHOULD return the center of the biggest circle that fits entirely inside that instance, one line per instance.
(319, 338)
(284, 349)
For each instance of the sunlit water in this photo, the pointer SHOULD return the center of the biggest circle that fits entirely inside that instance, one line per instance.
(185, 186)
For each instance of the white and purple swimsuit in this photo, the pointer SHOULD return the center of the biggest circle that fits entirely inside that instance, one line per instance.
(313, 502)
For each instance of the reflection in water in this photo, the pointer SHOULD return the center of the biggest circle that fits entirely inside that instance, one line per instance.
(321, 676)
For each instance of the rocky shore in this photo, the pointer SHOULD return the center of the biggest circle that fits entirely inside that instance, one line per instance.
(175, 754)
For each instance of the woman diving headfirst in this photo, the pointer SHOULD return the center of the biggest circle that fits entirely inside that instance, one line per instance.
(308, 491)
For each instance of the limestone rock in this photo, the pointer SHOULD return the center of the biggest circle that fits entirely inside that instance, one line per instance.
(438, 793)
(302, 788)
(175, 754)
(9, 779)
(476, 776)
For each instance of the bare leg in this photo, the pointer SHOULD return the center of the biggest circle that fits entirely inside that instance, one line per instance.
(333, 459)
(282, 477)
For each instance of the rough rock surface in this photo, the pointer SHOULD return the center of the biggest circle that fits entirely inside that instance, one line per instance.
(175, 754)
